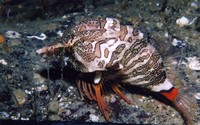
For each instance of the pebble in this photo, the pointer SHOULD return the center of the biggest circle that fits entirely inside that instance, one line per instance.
(2, 61)
(20, 96)
(4, 115)
(194, 63)
(94, 118)
(12, 34)
(60, 33)
(42, 88)
(28, 92)
(194, 4)
(24, 118)
(183, 21)
(38, 79)
(15, 42)
(16, 117)
(112, 99)
(53, 106)
(178, 43)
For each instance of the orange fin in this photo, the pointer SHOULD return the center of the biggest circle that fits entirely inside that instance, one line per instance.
(171, 94)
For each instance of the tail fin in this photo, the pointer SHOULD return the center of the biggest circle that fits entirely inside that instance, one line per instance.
(184, 101)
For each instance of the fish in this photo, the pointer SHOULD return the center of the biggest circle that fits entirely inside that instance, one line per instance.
(118, 54)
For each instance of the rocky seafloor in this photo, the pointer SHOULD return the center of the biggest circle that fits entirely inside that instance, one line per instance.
(34, 88)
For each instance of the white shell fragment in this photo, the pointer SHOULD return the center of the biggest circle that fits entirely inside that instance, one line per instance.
(41, 37)
(2, 61)
(94, 118)
(183, 21)
(12, 34)
(60, 33)
(178, 43)
(194, 4)
(42, 88)
(193, 63)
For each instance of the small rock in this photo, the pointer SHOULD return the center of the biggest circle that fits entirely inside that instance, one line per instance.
(2, 61)
(194, 63)
(178, 43)
(194, 4)
(42, 88)
(38, 79)
(15, 42)
(12, 34)
(4, 115)
(112, 99)
(94, 118)
(53, 106)
(64, 112)
(16, 116)
(183, 21)
(20, 96)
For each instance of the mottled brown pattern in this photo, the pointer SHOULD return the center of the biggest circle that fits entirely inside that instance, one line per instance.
(130, 39)
(90, 56)
(114, 24)
(134, 62)
(120, 48)
(133, 51)
(82, 28)
(123, 32)
(135, 32)
(115, 54)
(102, 23)
(106, 53)
(101, 64)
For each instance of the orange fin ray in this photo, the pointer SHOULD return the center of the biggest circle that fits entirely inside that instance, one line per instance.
(100, 101)
(120, 94)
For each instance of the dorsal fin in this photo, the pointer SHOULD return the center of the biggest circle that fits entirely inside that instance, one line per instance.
(172, 70)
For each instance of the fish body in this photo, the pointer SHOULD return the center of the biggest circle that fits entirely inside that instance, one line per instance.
(118, 53)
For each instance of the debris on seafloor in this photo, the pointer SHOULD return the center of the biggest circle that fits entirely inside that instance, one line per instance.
(42, 88)
(12, 34)
(20, 96)
(41, 37)
(94, 118)
(53, 106)
(2, 61)
(2, 39)
(183, 21)
(178, 43)
(193, 63)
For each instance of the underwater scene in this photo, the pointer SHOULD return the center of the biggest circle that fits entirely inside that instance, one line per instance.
(100, 62)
